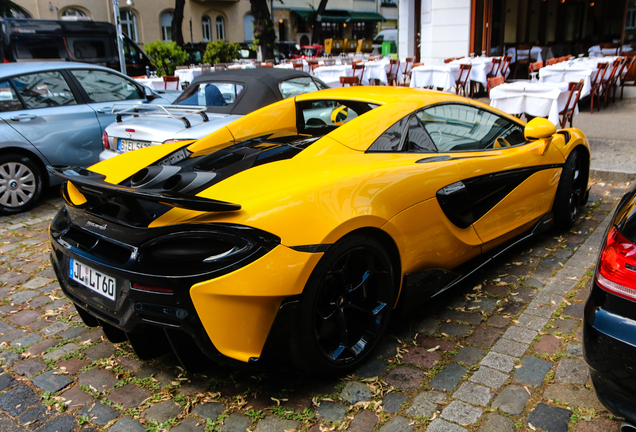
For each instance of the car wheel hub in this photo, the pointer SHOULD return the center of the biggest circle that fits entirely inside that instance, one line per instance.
(17, 184)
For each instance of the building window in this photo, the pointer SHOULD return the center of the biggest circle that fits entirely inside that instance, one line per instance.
(220, 27)
(248, 22)
(630, 19)
(74, 12)
(166, 26)
(206, 26)
(129, 24)
(332, 30)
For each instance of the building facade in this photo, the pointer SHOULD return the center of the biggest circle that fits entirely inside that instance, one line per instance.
(432, 30)
(145, 21)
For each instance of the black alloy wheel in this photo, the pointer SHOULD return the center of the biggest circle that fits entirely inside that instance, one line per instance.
(570, 192)
(345, 306)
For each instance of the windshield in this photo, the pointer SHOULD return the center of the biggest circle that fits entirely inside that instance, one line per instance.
(309, 52)
(210, 94)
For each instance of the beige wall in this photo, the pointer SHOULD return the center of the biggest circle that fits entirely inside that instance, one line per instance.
(148, 14)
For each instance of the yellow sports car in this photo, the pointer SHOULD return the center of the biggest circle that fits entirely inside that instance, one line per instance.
(297, 230)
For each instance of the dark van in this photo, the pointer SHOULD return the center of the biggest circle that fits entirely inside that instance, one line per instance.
(83, 41)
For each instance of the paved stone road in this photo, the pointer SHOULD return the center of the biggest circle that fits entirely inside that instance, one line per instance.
(503, 354)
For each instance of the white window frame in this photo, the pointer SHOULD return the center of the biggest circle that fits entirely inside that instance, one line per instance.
(166, 31)
(76, 12)
(220, 27)
(206, 25)
(127, 24)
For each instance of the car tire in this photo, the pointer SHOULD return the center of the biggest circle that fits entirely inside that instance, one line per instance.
(570, 192)
(20, 183)
(345, 306)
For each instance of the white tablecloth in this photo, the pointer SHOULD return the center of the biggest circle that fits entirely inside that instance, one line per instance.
(376, 70)
(535, 54)
(330, 75)
(608, 51)
(153, 83)
(574, 71)
(536, 99)
(188, 74)
(291, 66)
(444, 75)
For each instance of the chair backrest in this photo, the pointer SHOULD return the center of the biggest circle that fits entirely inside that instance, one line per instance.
(139, 77)
(267, 65)
(448, 60)
(505, 65)
(610, 48)
(313, 64)
(523, 52)
(330, 62)
(495, 81)
(551, 61)
(496, 66)
(170, 79)
(394, 66)
(575, 90)
(535, 66)
(616, 64)
(408, 64)
(358, 67)
(220, 67)
(464, 72)
(345, 61)
(417, 65)
(182, 67)
(600, 72)
(630, 67)
(206, 68)
(351, 80)
(298, 65)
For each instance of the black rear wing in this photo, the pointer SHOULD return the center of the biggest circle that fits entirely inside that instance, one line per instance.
(97, 191)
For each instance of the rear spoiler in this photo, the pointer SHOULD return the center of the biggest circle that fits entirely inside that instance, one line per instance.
(94, 188)
(179, 112)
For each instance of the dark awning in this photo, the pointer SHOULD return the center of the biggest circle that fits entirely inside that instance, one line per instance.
(340, 16)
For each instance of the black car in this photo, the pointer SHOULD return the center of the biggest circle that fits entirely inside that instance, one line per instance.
(609, 323)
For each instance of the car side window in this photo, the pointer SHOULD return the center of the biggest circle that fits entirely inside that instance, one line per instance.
(9, 100)
(101, 86)
(407, 135)
(458, 127)
(44, 90)
(296, 86)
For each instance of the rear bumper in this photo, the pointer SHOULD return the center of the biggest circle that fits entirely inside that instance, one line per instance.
(609, 345)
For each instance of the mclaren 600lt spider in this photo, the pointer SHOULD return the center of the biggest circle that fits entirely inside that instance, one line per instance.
(297, 230)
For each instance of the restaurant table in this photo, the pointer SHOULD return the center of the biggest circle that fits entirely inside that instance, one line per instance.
(596, 49)
(330, 75)
(376, 70)
(188, 74)
(533, 98)
(575, 70)
(444, 75)
(153, 83)
(291, 66)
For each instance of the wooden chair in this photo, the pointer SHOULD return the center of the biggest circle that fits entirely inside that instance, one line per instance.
(139, 77)
(351, 80)
(298, 65)
(182, 67)
(170, 79)
(448, 60)
(534, 67)
(220, 67)
(494, 82)
(619, 73)
(551, 61)
(606, 82)
(408, 65)
(629, 79)
(596, 86)
(313, 64)
(610, 48)
(394, 67)
(463, 80)
(330, 62)
(570, 106)
(268, 65)
(206, 68)
(345, 61)
(358, 70)
(416, 65)
(505, 65)
(496, 67)
(522, 53)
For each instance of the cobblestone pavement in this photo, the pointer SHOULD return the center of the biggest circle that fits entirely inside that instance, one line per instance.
(501, 354)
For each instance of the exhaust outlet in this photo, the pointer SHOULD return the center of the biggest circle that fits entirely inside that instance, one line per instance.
(152, 176)
(187, 182)
(628, 427)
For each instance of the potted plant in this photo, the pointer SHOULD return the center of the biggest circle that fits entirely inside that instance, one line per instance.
(166, 56)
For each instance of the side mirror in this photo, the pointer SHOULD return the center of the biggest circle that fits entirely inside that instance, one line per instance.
(539, 128)
(150, 94)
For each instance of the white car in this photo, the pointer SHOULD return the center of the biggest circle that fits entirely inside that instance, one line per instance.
(211, 101)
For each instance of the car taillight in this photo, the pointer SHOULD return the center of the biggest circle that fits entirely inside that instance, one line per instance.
(617, 266)
(105, 140)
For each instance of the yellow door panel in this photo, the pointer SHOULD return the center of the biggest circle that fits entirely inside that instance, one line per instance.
(427, 239)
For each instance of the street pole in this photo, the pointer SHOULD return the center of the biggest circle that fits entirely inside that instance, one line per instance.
(120, 37)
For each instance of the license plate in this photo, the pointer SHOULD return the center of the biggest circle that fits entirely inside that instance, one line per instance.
(128, 145)
(92, 279)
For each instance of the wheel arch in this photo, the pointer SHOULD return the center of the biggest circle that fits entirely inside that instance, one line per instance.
(32, 156)
(392, 249)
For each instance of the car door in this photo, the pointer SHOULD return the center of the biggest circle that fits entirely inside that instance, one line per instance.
(508, 182)
(103, 89)
(52, 119)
